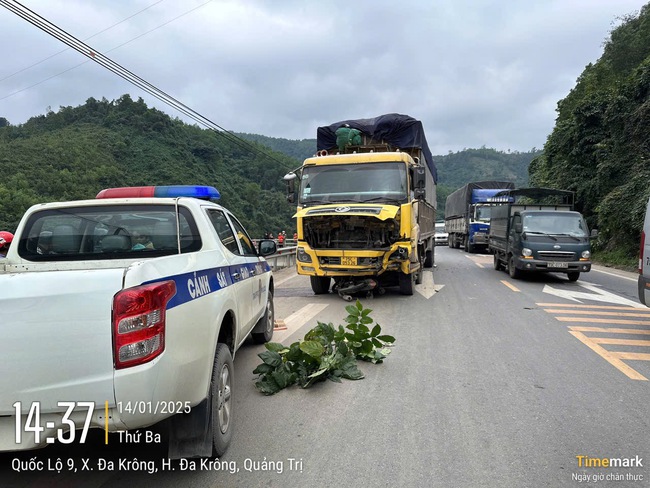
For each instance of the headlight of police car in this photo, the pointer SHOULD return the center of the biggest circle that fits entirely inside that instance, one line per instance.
(525, 252)
(302, 256)
(586, 254)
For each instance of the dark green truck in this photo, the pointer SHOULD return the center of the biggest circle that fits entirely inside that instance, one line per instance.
(537, 230)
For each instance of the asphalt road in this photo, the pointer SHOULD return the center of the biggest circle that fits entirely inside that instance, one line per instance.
(492, 382)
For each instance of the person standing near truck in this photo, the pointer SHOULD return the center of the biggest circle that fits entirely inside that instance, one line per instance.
(281, 236)
(5, 242)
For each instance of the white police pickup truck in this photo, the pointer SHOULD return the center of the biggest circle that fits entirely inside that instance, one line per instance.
(120, 312)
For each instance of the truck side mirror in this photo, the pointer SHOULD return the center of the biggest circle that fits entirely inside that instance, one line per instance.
(518, 227)
(290, 181)
(594, 233)
(419, 183)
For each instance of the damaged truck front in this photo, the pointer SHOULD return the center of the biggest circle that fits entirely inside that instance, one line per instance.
(366, 206)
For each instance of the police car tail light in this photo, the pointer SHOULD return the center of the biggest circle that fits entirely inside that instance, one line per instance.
(174, 191)
(139, 315)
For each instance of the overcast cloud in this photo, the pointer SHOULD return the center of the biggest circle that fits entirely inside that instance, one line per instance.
(482, 72)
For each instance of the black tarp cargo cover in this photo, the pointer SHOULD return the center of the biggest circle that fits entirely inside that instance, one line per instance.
(401, 131)
(458, 201)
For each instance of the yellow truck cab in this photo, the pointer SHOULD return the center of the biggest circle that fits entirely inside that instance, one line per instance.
(366, 210)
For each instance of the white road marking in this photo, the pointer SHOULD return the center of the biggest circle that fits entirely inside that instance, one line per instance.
(598, 295)
(299, 318)
(428, 288)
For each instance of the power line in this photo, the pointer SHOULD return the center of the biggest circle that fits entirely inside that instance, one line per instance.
(64, 50)
(94, 55)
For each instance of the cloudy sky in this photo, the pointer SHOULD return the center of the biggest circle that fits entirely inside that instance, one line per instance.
(475, 72)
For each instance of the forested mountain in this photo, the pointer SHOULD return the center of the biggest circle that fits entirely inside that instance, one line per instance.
(483, 164)
(600, 146)
(454, 169)
(76, 152)
(297, 149)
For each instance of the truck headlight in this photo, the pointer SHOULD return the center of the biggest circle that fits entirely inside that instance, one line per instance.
(302, 256)
(585, 254)
(527, 253)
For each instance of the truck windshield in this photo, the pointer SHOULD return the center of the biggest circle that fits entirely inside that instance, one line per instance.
(363, 182)
(557, 223)
(482, 213)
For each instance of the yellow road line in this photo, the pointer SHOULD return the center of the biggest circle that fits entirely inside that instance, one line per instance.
(589, 312)
(620, 342)
(611, 358)
(637, 356)
(603, 321)
(597, 307)
(612, 331)
(510, 285)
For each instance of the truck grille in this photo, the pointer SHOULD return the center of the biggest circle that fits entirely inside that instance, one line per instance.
(330, 260)
(556, 255)
(374, 210)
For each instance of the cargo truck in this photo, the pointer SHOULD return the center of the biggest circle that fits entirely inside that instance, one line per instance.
(539, 231)
(366, 206)
(467, 213)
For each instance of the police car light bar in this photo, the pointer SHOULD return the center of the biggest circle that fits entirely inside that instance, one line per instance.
(194, 191)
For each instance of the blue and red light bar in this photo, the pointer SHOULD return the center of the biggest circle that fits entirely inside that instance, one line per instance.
(193, 191)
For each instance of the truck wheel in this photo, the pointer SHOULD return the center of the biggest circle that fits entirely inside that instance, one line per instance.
(320, 284)
(573, 275)
(222, 400)
(263, 331)
(512, 271)
(470, 248)
(497, 263)
(406, 283)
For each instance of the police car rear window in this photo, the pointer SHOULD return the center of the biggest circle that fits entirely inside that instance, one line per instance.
(108, 232)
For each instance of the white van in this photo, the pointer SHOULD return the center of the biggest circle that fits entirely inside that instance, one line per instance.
(644, 261)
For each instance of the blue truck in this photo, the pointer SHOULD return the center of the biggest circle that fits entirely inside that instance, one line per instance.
(467, 213)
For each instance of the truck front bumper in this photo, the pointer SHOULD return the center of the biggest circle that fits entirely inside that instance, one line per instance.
(354, 262)
(552, 266)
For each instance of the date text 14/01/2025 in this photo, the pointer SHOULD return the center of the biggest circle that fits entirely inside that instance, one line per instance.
(31, 422)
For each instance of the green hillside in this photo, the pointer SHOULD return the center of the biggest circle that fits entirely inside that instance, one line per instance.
(483, 164)
(600, 146)
(454, 169)
(76, 152)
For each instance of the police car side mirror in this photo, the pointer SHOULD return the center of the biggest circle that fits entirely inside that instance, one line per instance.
(266, 247)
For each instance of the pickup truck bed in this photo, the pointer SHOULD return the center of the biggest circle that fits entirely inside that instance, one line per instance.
(87, 315)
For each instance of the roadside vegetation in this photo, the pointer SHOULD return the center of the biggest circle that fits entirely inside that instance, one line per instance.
(325, 353)
(600, 147)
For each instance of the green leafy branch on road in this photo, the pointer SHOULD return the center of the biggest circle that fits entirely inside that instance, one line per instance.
(325, 353)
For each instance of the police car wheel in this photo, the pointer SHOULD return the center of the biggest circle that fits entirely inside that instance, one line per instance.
(266, 323)
(222, 400)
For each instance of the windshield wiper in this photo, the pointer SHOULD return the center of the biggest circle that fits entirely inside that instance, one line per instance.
(382, 199)
(569, 235)
(540, 234)
(314, 202)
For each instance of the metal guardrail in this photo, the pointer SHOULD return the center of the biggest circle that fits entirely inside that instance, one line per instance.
(284, 258)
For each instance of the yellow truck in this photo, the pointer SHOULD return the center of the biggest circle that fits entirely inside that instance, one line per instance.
(366, 206)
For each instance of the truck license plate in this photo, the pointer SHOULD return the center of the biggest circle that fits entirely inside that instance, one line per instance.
(558, 264)
(349, 261)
